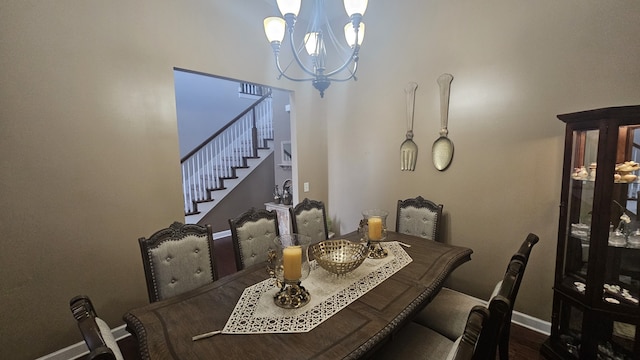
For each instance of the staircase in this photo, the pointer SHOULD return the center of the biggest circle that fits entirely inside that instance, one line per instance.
(215, 167)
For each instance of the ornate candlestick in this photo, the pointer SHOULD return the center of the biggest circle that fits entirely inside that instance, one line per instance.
(375, 231)
(290, 266)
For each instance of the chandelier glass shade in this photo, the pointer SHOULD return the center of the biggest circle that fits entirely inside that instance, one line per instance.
(316, 40)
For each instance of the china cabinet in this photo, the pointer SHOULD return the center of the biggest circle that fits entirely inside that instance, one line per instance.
(597, 276)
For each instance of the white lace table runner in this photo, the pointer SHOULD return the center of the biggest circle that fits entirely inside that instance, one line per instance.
(256, 312)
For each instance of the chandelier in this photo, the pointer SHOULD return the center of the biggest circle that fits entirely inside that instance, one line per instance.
(316, 40)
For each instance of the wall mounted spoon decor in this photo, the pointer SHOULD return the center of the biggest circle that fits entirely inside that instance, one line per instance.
(442, 149)
(409, 149)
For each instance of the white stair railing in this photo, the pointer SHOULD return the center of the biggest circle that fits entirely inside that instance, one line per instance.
(252, 89)
(205, 168)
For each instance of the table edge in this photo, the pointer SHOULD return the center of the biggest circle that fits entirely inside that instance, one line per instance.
(416, 305)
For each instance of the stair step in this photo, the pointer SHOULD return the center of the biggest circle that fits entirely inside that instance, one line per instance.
(204, 201)
(218, 177)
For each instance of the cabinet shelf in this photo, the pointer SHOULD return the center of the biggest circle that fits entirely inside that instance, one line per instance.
(614, 181)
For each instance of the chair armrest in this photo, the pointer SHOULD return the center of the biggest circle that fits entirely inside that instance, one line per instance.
(99, 339)
(108, 338)
(91, 333)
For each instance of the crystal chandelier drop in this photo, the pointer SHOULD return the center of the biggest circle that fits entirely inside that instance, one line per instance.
(316, 41)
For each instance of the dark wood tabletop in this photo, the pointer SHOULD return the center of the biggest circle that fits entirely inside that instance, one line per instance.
(164, 329)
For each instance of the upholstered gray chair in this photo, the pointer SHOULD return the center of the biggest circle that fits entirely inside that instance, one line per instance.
(95, 331)
(446, 313)
(252, 234)
(178, 259)
(419, 217)
(309, 218)
(415, 341)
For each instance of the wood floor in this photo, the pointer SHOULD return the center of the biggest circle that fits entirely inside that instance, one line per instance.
(524, 343)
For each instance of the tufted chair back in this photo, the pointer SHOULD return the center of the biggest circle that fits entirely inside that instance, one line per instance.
(419, 217)
(96, 333)
(309, 218)
(252, 234)
(178, 259)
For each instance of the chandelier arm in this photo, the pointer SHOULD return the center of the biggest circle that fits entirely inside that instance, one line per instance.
(351, 76)
(283, 74)
(294, 79)
(296, 57)
(353, 58)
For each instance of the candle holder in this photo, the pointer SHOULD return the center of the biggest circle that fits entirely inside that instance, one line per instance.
(289, 265)
(374, 231)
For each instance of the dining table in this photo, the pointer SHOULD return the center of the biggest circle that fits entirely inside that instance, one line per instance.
(353, 330)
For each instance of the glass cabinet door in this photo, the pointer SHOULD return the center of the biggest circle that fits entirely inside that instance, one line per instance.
(614, 336)
(580, 207)
(569, 327)
(622, 262)
(615, 281)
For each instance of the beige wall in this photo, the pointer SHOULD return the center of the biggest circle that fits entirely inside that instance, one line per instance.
(90, 153)
(89, 145)
(516, 65)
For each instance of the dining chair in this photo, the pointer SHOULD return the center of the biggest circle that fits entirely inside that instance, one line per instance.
(415, 341)
(95, 331)
(419, 217)
(178, 259)
(446, 313)
(252, 234)
(310, 218)
(473, 344)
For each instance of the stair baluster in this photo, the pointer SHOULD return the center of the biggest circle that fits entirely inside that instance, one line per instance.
(205, 167)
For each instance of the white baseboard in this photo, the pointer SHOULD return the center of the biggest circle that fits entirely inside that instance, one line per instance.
(531, 323)
(78, 350)
(524, 320)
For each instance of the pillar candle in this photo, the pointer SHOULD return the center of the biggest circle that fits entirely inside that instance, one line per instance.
(292, 262)
(375, 228)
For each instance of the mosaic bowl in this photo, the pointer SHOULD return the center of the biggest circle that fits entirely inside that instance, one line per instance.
(339, 256)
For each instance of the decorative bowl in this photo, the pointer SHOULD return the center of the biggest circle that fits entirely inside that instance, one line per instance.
(339, 256)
